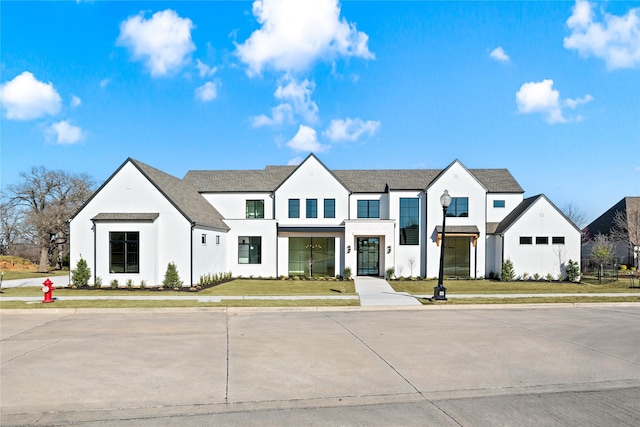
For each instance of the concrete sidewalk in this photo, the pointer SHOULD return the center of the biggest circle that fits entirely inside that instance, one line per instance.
(374, 291)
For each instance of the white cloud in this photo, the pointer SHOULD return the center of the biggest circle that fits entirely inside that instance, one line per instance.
(616, 39)
(306, 140)
(299, 94)
(162, 42)
(204, 70)
(350, 129)
(540, 97)
(294, 34)
(27, 98)
(207, 92)
(75, 101)
(66, 133)
(573, 103)
(295, 161)
(104, 83)
(499, 54)
(280, 114)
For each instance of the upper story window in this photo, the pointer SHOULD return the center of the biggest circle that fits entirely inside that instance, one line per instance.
(498, 203)
(255, 208)
(312, 208)
(294, 208)
(409, 221)
(124, 252)
(526, 240)
(459, 207)
(204, 239)
(557, 240)
(368, 208)
(329, 208)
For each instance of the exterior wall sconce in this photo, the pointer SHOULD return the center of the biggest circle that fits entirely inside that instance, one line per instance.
(348, 249)
(388, 249)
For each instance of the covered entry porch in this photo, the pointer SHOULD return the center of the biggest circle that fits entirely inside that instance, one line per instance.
(460, 252)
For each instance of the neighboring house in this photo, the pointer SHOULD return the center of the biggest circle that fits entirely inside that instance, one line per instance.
(310, 220)
(625, 234)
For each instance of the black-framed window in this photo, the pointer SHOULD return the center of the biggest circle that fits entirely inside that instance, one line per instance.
(459, 207)
(368, 208)
(409, 221)
(217, 239)
(557, 240)
(498, 204)
(294, 208)
(249, 250)
(526, 240)
(329, 208)
(312, 208)
(255, 209)
(542, 240)
(124, 252)
(204, 239)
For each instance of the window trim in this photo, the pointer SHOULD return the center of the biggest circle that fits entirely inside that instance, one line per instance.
(256, 210)
(311, 208)
(294, 206)
(370, 203)
(329, 211)
(526, 240)
(125, 253)
(252, 240)
(542, 240)
(403, 239)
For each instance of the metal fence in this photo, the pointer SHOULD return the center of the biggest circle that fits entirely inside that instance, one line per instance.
(600, 275)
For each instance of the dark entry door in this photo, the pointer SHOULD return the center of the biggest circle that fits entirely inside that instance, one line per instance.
(368, 256)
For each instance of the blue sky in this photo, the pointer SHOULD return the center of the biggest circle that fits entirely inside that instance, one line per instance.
(549, 90)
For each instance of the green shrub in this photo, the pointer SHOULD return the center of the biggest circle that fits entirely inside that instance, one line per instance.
(525, 276)
(347, 273)
(81, 274)
(114, 284)
(129, 283)
(573, 271)
(98, 282)
(390, 272)
(549, 277)
(623, 267)
(508, 273)
(143, 284)
(171, 277)
(536, 277)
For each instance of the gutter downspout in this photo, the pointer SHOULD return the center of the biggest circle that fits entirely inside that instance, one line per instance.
(95, 261)
(193, 226)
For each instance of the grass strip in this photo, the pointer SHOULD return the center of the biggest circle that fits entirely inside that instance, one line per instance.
(425, 287)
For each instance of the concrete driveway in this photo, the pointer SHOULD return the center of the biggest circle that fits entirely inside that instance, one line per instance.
(464, 366)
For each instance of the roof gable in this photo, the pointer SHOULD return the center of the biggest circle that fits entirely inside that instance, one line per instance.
(522, 209)
(306, 162)
(456, 162)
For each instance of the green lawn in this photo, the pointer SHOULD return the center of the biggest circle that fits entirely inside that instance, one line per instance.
(425, 287)
(11, 275)
(240, 287)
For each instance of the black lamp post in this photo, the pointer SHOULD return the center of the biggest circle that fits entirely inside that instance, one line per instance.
(440, 292)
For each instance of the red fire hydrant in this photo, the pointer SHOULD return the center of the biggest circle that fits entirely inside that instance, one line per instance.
(47, 289)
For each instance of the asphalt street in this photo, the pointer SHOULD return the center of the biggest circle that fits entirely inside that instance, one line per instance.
(350, 366)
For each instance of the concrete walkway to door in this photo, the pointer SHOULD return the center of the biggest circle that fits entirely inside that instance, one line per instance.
(374, 291)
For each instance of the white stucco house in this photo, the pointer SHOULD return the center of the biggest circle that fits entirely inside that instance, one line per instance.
(310, 220)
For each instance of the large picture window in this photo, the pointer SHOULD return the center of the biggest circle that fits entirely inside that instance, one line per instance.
(294, 208)
(255, 208)
(312, 256)
(409, 221)
(124, 252)
(249, 250)
(459, 207)
(368, 208)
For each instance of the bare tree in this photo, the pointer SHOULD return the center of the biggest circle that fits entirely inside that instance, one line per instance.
(626, 229)
(10, 226)
(48, 199)
(574, 213)
(412, 264)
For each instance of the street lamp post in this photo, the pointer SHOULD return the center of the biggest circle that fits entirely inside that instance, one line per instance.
(440, 292)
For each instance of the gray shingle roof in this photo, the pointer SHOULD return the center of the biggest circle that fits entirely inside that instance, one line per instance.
(357, 181)
(126, 216)
(605, 222)
(184, 196)
(516, 213)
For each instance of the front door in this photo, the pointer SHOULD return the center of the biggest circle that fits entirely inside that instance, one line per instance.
(368, 256)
